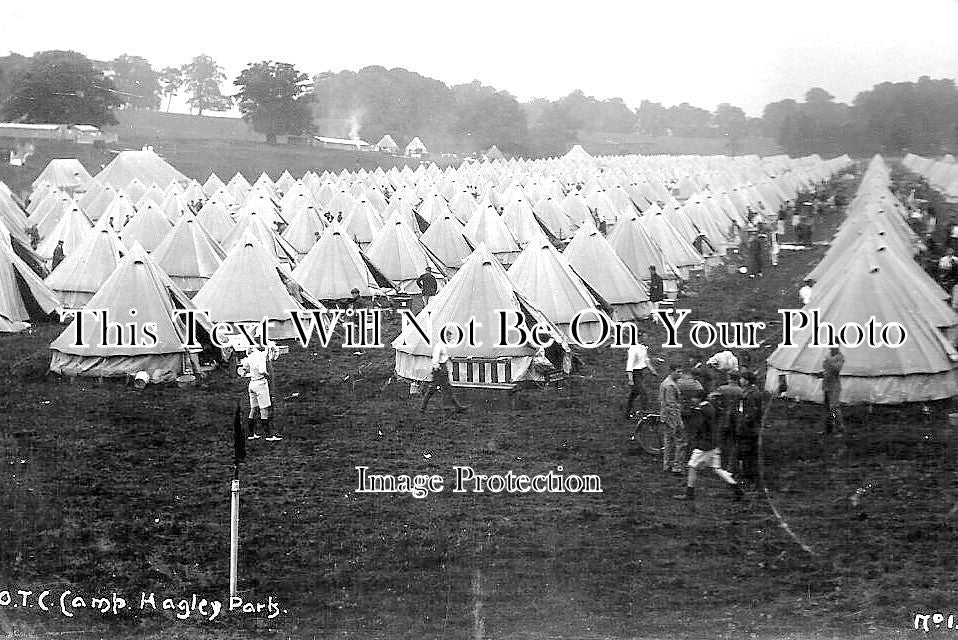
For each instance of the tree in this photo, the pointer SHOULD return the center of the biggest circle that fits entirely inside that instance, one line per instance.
(730, 121)
(10, 68)
(486, 117)
(653, 119)
(686, 120)
(775, 115)
(274, 99)
(203, 78)
(136, 81)
(171, 79)
(376, 101)
(61, 87)
(554, 131)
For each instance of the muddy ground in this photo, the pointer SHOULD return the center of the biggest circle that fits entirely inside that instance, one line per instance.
(106, 489)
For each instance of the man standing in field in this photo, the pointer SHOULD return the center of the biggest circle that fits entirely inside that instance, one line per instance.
(255, 366)
(638, 368)
(731, 418)
(428, 285)
(832, 386)
(670, 406)
(746, 441)
(656, 287)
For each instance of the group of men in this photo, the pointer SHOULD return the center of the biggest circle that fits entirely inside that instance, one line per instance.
(711, 408)
(718, 408)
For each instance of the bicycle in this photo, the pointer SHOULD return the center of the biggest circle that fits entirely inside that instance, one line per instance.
(649, 434)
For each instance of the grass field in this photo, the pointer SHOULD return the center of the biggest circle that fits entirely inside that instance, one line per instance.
(107, 489)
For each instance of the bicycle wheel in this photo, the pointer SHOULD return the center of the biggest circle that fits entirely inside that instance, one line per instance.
(648, 434)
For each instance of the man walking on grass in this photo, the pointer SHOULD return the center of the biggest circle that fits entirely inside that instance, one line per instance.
(703, 428)
(440, 374)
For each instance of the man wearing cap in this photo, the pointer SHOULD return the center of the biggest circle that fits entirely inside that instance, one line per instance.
(255, 366)
(428, 285)
(638, 368)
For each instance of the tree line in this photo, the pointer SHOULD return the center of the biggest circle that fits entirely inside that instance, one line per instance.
(276, 98)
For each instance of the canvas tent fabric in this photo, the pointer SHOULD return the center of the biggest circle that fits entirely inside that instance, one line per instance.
(145, 165)
(402, 257)
(137, 293)
(64, 173)
(487, 227)
(335, 266)
(188, 254)
(21, 289)
(148, 227)
(633, 244)
(446, 238)
(543, 276)
(83, 272)
(477, 292)
(921, 369)
(73, 229)
(250, 286)
(592, 258)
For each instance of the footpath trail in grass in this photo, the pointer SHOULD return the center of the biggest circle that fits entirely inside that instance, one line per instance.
(106, 489)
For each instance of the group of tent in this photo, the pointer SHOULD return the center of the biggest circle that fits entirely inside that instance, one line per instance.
(531, 231)
(869, 272)
(941, 175)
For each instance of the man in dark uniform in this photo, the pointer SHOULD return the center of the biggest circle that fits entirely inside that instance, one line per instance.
(703, 427)
(58, 254)
(746, 440)
(832, 386)
(428, 285)
(730, 416)
(656, 286)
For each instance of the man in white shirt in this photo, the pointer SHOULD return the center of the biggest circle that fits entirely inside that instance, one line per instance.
(638, 368)
(723, 361)
(805, 293)
(440, 374)
(255, 367)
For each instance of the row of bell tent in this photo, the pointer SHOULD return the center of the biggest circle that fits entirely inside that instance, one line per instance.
(222, 253)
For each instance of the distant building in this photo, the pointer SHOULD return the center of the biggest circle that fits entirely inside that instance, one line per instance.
(342, 144)
(53, 132)
(416, 149)
(88, 134)
(79, 134)
(386, 144)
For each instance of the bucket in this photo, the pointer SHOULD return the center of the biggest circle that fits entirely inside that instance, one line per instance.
(140, 380)
(187, 380)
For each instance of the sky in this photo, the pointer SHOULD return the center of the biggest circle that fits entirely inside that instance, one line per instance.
(743, 52)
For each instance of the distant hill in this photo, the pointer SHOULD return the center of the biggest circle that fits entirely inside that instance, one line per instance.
(157, 126)
(598, 143)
